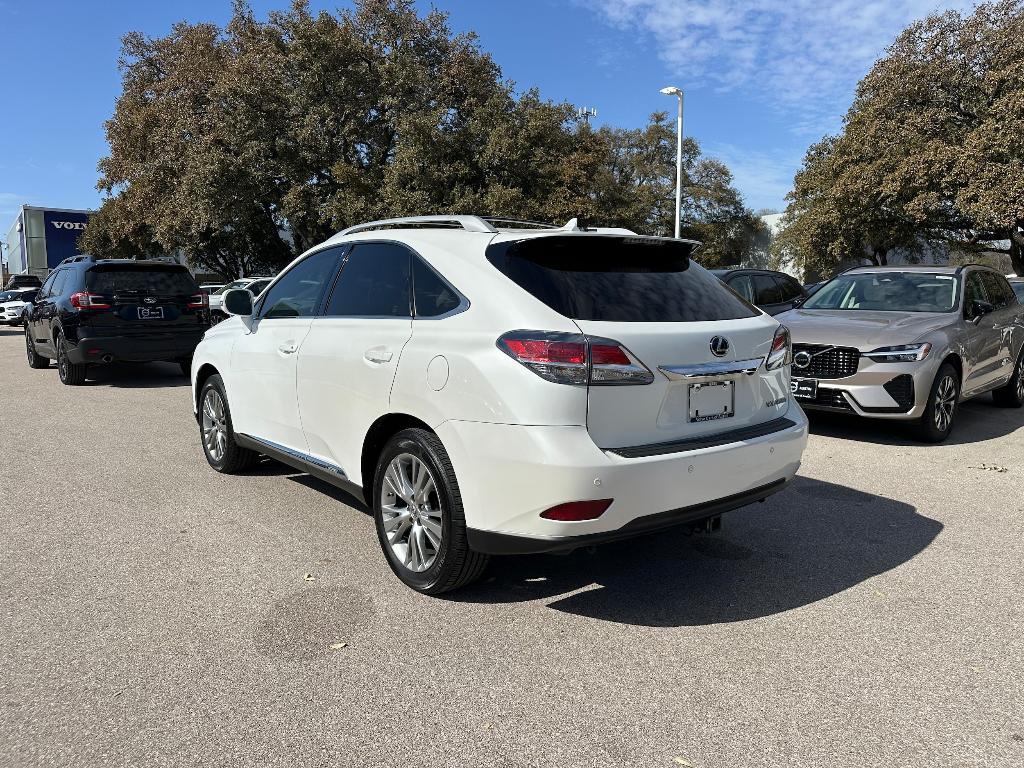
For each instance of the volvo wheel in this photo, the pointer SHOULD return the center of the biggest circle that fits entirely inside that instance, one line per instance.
(418, 512)
(937, 421)
(1012, 394)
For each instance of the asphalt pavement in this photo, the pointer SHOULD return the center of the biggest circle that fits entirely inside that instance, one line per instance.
(155, 613)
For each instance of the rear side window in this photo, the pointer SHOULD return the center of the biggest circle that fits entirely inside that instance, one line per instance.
(168, 281)
(618, 279)
(434, 297)
(744, 286)
(60, 283)
(373, 283)
(766, 290)
(790, 288)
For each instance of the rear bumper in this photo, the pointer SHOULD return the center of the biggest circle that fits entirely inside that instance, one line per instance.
(135, 348)
(509, 474)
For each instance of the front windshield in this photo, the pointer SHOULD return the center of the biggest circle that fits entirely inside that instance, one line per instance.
(888, 292)
(229, 286)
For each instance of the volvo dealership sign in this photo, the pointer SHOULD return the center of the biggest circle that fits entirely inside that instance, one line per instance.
(63, 228)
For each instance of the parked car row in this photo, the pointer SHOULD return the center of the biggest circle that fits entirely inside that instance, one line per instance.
(488, 389)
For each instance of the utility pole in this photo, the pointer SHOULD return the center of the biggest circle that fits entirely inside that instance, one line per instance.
(674, 91)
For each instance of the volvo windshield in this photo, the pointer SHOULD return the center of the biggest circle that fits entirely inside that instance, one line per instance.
(888, 292)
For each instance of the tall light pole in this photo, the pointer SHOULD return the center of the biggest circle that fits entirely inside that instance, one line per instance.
(678, 92)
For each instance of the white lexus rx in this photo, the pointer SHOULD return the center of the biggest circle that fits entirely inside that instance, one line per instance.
(494, 389)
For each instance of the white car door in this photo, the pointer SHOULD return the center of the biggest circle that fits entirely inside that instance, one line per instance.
(261, 384)
(348, 360)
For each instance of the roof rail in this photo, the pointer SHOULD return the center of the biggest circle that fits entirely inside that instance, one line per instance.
(468, 223)
(73, 259)
(960, 268)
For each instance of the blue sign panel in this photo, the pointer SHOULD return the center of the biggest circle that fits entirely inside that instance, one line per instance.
(63, 228)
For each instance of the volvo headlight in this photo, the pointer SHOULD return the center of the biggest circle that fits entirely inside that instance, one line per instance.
(901, 353)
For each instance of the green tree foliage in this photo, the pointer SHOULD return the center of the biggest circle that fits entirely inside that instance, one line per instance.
(243, 146)
(932, 149)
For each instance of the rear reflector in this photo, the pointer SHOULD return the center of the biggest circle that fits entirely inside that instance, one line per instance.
(574, 511)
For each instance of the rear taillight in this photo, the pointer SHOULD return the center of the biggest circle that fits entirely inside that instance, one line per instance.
(84, 300)
(199, 301)
(782, 350)
(574, 511)
(566, 358)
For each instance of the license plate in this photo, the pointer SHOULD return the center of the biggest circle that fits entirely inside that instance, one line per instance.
(712, 400)
(151, 313)
(804, 389)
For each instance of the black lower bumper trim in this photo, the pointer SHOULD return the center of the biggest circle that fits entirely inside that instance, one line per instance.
(492, 543)
(706, 441)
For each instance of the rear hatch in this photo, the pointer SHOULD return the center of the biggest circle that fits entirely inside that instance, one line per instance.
(704, 345)
(137, 298)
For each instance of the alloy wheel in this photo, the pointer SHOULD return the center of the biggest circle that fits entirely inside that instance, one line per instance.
(945, 403)
(1020, 377)
(215, 429)
(411, 512)
(30, 347)
(62, 358)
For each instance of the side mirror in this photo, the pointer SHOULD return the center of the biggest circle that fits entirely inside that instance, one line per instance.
(799, 300)
(979, 309)
(238, 301)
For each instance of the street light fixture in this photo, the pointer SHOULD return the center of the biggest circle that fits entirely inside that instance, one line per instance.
(678, 92)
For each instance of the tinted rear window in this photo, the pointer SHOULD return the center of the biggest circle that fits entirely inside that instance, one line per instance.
(158, 280)
(618, 279)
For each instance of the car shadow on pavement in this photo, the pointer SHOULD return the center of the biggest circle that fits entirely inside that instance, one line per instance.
(809, 542)
(976, 421)
(136, 375)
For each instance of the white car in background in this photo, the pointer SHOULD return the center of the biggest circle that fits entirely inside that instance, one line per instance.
(254, 285)
(494, 390)
(13, 303)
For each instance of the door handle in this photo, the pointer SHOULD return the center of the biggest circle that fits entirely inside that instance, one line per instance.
(288, 348)
(378, 355)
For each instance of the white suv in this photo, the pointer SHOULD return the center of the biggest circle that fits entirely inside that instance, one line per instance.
(492, 390)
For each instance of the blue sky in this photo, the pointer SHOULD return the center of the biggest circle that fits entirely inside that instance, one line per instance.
(763, 78)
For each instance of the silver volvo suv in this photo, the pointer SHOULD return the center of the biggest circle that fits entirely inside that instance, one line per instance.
(909, 342)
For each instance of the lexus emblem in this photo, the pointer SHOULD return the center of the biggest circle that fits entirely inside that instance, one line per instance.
(801, 360)
(719, 346)
(150, 300)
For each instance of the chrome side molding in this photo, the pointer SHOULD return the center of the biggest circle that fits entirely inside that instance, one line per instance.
(711, 370)
(305, 457)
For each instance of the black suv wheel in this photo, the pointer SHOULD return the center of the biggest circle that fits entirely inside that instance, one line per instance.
(35, 360)
(70, 373)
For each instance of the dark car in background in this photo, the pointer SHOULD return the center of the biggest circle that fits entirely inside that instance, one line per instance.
(771, 292)
(22, 281)
(1017, 283)
(90, 312)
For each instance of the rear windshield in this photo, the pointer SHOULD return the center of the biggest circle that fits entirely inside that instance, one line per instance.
(168, 280)
(618, 279)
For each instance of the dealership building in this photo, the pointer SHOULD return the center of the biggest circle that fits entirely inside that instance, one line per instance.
(41, 238)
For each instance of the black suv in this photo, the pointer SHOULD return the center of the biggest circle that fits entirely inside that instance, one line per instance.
(771, 292)
(97, 311)
(22, 281)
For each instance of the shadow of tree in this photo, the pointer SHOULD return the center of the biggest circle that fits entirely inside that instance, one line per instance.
(811, 541)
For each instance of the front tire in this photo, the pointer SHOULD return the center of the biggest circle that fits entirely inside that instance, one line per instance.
(216, 432)
(1012, 394)
(72, 374)
(35, 360)
(417, 508)
(937, 421)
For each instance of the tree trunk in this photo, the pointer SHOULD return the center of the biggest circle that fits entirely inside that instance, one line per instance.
(880, 256)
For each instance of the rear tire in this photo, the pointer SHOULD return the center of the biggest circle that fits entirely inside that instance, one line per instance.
(937, 421)
(1012, 394)
(72, 374)
(216, 432)
(35, 360)
(421, 526)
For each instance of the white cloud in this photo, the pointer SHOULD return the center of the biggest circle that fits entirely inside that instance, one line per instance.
(803, 56)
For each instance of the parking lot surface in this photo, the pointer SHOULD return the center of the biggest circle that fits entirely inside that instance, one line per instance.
(153, 612)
